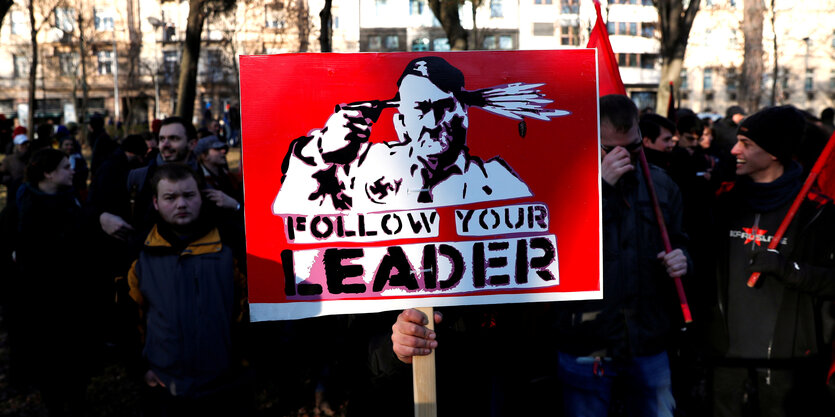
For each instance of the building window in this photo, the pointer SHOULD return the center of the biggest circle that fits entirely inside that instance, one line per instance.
(392, 42)
(64, 19)
(489, 42)
(648, 29)
(647, 2)
(420, 44)
(628, 60)
(105, 59)
(832, 80)
(732, 80)
(496, 8)
(571, 6)
(169, 34)
(380, 7)
(170, 63)
(570, 35)
(707, 83)
(274, 15)
(68, 63)
(214, 65)
(648, 61)
(610, 26)
(621, 28)
(21, 66)
(103, 19)
(543, 29)
(633, 29)
(505, 42)
(809, 80)
(833, 38)
(683, 77)
(440, 45)
(416, 7)
(20, 26)
(375, 43)
(543, 1)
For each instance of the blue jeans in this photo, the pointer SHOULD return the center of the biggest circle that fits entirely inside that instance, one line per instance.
(587, 385)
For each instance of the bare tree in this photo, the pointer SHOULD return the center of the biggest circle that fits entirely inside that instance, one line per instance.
(476, 39)
(675, 18)
(5, 5)
(187, 87)
(752, 63)
(776, 71)
(446, 11)
(326, 34)
(44, 9)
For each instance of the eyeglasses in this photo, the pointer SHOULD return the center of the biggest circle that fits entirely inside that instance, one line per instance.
(631, 148)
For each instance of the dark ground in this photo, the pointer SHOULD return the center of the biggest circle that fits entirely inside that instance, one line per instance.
(113, 392)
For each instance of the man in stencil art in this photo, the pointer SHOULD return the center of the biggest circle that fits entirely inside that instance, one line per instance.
(428, 166)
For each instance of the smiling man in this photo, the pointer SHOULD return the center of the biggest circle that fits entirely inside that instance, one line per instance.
(769, 336)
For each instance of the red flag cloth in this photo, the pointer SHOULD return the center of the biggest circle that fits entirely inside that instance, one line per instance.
(826, 177)
(608, 73)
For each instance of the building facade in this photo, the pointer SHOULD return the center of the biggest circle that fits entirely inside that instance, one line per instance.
(132, 49)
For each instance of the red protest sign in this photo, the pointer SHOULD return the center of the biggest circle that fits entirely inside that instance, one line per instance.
(385, 181)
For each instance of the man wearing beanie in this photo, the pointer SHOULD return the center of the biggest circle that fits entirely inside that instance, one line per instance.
(767, 339)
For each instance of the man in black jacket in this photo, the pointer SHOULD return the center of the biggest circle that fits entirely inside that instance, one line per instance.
(769, 337)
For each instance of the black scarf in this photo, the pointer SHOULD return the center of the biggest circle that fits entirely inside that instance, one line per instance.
(765, 197)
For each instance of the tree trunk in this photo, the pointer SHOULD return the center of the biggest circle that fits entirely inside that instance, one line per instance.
(325, 34)
(447, 13)
(752, 63)
(187, 87)
(776, 72)
(5, 5)
(675, 22)
(82, 53)
(476, 41)
(33, 70)
(303, 25)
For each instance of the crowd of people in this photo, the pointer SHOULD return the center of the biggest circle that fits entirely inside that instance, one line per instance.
(141, 257)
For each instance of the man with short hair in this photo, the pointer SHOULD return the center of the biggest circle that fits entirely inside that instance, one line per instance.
(192, 298)
(769, 339)
(726, 129)
(177, 138)
(659, 139)
(13, 166)
(222, 187)
(622, 339)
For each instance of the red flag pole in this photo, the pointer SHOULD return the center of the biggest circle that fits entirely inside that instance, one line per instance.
(659, 216)
(807, 185)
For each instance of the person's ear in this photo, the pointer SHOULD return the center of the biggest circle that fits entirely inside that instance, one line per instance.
(156, 204)
(646, 141)
(191, 144)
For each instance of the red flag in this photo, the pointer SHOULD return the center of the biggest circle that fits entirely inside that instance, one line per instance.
(608, 73)
(826, 178)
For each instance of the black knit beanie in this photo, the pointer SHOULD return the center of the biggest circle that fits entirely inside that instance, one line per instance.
(775, 129)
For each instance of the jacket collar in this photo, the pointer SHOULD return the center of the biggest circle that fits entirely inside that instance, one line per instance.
(210, 243)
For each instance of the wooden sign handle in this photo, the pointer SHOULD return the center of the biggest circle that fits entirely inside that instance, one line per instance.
(423, 376)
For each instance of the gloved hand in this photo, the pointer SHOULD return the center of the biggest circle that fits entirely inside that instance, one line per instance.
(773, 264)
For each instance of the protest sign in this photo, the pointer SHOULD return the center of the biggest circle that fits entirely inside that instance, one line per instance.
(385, 181)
